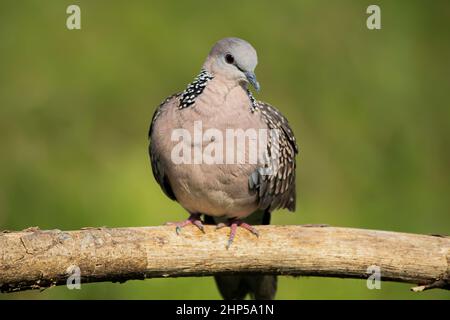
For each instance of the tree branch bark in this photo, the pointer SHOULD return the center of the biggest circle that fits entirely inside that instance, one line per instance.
(36, 259)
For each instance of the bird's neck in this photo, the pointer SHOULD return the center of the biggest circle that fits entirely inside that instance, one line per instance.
(220, 89)
(212, 90)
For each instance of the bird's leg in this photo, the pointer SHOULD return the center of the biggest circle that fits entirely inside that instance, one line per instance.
(193, 219)
(234, 224)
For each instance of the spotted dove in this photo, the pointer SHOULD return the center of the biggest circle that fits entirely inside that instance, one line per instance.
(234, 194)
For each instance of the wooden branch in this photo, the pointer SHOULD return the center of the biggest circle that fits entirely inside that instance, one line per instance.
(36, 259)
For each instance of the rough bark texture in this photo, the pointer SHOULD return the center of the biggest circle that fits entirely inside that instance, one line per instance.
(34, 259)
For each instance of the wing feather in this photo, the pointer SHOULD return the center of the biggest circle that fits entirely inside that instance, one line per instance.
(276, 185)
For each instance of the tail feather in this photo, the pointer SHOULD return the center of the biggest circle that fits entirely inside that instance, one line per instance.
(237, 287)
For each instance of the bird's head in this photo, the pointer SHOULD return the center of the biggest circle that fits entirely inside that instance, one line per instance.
(233, 59)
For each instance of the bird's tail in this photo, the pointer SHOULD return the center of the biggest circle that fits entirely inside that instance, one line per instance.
(236, 287)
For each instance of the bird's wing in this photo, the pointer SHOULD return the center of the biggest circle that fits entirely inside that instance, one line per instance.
(275, 184)
(158, 170)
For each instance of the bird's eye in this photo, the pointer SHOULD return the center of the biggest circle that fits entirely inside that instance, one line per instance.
(229, 58)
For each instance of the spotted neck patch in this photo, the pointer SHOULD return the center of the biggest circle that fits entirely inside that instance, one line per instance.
(194, 89)
(254, 105)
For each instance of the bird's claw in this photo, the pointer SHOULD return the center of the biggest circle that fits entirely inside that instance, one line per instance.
(193, 219)
(234, 224)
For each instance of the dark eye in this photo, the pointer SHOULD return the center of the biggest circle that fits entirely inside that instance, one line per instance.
(229, 58)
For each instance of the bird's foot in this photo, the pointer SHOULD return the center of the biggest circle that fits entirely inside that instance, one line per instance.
(193, 219)
(234, 224)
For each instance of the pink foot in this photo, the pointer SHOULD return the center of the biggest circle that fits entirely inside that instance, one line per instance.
(234, 224)
(193, 219)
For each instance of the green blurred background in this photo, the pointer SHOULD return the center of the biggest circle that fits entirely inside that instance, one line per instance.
(370, 110)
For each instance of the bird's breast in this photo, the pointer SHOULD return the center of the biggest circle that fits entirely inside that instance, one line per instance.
(213, 149)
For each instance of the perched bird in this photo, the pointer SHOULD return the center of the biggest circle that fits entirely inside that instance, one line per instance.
(234, 194)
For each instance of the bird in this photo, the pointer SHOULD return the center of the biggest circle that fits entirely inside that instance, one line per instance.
(234, 194)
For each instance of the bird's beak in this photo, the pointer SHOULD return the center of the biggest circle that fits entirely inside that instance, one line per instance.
(252, 79)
